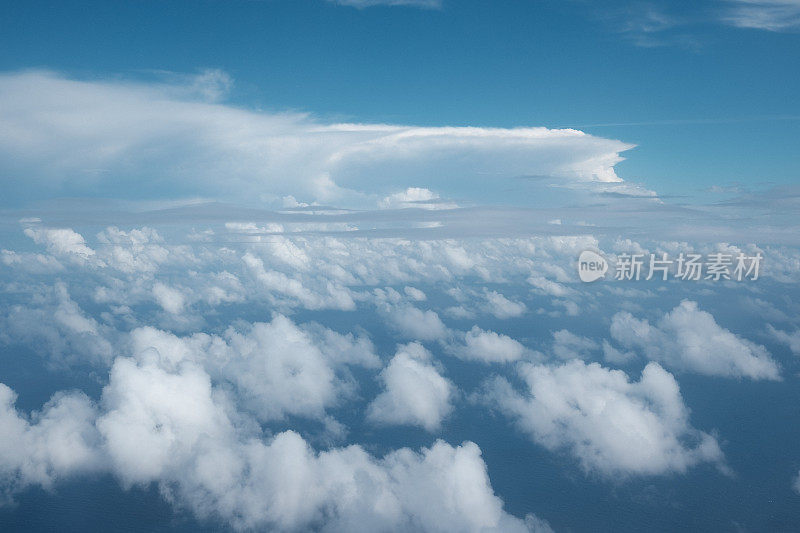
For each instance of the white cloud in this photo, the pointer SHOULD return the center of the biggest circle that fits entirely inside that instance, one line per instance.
(792, 340)
(415, 197)
(268, 375)
(59, 441)
(610, 424)
(614, 356)
(163, 421)
(770, 15)
(283, 483)
(488, 347)
(276, 368)
(415, 294)
(61, 241)
(135, 251)
(31, 262)
(459, 311)
(567, 345)
(550, 287)
(502, 307)
(55, 325)
(415, 393)
(416, 324)
(132, 139)
(689, 339)
(283, 289)
(343, 349)
(156, 418)
(169, 298)
(187, 411)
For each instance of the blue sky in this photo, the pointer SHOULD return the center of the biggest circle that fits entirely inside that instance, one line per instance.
(707, 102)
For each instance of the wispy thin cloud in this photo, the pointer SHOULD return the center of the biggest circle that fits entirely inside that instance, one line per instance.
(769, 15)
(652, 24)
(648, 24)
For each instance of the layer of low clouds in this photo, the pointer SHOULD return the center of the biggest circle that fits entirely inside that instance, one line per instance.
(162, 419)
(211, 407)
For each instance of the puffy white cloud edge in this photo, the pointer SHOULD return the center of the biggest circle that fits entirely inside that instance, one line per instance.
(161, 420)
(613, 426)
(690, 339)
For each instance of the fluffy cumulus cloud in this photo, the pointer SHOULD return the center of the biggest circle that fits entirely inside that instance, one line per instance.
(171, 300)
(170, 416)
(276, 368)
(289, 289)
(225, 381)
(163, 421)
(61, 242)
(502, 307)
(57, 442)
(610, 424)
(136, 251)
(690, 339)
(414, 323)
(54, 325)
(488, 347)
(135, 272)
(415, 392)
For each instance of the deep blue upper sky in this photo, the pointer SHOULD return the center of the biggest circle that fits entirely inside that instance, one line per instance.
(732, 91)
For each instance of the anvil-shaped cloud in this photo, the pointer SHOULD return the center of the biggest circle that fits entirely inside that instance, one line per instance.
(137, 140)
